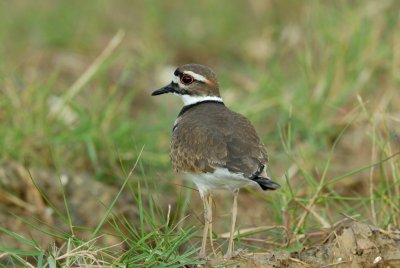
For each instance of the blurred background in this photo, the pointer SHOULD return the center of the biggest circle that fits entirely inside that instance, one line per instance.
(318, 79)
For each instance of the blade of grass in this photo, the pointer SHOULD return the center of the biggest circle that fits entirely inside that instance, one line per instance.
(90, 72)
(116, 197)
(19, 237)
(21, 251)
(321, 184)
(42, 230)
(348, 174)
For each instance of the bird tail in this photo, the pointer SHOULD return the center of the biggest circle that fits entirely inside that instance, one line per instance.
(266, 183)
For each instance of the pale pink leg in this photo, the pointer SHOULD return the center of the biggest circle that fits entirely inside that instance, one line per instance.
(202, 254)
(229, 252)
(210, 203)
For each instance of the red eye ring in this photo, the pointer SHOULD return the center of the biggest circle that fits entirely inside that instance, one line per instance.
(186, 79)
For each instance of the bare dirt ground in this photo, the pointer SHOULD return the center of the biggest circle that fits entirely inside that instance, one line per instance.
(348, 244)
(19, 197)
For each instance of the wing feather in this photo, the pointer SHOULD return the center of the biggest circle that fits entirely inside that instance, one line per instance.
(202, 142)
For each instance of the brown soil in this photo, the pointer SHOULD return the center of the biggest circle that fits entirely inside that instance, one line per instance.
(351, 244)
(19, 197)
(348, 244)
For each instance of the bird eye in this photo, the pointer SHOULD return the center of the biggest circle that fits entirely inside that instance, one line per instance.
(186, 79)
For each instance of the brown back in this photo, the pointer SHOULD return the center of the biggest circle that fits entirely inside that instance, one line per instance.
(210, 136)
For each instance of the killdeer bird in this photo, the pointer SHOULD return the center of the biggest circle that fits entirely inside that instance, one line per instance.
(215, 147)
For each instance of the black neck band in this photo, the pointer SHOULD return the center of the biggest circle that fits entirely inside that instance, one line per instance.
(187, 107)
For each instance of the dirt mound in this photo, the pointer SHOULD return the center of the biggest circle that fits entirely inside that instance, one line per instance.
(355, 245)
(348, 244)
(352, 244)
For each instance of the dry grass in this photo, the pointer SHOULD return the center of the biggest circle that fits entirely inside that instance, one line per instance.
(318, 80)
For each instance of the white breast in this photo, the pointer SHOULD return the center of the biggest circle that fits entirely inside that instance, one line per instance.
(221, 179)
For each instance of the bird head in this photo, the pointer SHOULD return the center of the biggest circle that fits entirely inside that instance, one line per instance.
(193, 83)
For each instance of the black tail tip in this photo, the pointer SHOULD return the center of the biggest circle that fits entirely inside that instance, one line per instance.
(266, 183)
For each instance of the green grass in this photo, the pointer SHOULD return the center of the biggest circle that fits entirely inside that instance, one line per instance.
(319, 80)
(156, 241)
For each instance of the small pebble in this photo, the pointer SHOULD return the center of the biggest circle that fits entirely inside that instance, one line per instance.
(377, 259)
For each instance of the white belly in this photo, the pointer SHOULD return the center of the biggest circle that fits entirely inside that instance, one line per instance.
(221, 179)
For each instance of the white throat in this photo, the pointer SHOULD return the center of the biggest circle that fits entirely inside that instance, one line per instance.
(189, 100)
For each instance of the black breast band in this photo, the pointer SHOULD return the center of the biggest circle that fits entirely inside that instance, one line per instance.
(187, 107)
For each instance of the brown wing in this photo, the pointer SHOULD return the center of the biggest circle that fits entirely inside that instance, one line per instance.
(197, 149)
(211, 137)
(246, 152)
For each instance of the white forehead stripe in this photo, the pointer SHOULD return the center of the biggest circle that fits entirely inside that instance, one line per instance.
(175, 79)
(197, 77)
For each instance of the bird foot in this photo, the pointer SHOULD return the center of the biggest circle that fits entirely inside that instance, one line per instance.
(233, 254)
(227, 256)
(202, 256)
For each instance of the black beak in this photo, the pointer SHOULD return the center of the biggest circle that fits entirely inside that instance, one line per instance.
(167, 89)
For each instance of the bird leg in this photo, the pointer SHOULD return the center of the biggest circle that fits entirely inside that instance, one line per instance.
(229, 252)
(202, 254)
(210, 203)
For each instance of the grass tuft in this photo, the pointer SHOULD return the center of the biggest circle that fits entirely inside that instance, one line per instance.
(319, 80)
